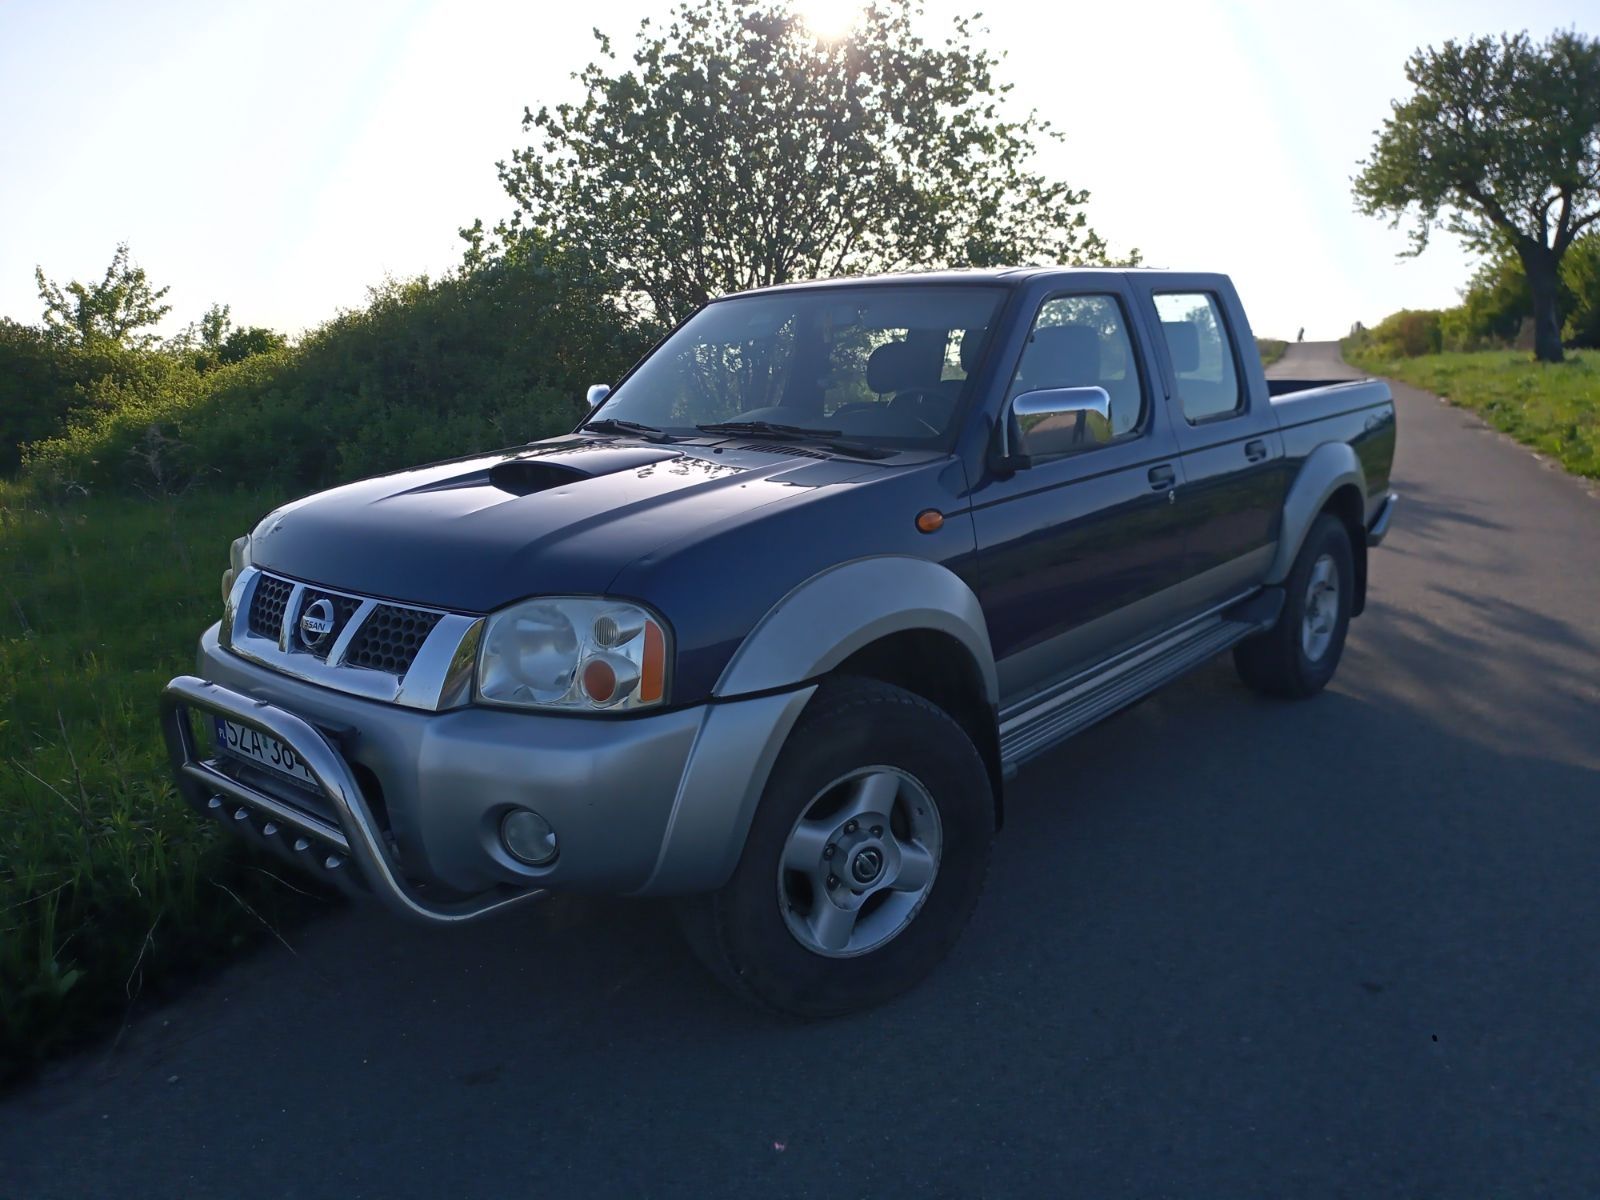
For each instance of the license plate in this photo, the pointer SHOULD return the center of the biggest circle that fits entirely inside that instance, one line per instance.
(256, 747)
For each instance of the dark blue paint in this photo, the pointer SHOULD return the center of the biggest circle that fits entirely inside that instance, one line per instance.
(711, 534)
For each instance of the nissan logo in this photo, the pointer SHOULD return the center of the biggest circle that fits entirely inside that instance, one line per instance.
(316, 623)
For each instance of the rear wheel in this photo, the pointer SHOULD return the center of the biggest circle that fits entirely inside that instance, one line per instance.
(863, 862)
(1298, 656)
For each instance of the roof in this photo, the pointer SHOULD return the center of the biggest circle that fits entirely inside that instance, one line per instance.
(1009, 276)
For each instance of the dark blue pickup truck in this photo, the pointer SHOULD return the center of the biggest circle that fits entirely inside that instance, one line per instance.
(770, 630)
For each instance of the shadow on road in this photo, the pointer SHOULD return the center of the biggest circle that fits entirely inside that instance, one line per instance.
(1333, 901)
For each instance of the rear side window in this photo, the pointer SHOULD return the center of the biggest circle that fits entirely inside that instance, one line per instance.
(1202, 356)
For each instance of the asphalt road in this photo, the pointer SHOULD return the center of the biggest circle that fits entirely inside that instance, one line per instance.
(1230, 947)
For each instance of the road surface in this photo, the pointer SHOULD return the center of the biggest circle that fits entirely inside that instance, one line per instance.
(1230, 947)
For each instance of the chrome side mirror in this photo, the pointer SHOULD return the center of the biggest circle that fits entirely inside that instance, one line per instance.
(1052, 421)
(591, 400)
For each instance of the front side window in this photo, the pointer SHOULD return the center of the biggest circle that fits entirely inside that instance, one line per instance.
(1082, 341)
(882, 364)
(1202, 357)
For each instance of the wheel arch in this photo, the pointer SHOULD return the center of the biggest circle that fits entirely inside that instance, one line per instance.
(844, 609)
(939, 668)
(1348, 505)
(1330, 480)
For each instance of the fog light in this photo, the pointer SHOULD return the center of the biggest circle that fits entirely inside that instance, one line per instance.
(528, 837)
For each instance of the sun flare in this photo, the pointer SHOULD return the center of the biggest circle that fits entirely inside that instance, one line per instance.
(829, 19)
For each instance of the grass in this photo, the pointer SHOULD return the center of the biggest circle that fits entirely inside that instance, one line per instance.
(1553, 407)
(1271, 350)
(109, 885)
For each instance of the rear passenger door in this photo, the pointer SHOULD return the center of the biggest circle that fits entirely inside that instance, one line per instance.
(1080, 552)
(1232, 453)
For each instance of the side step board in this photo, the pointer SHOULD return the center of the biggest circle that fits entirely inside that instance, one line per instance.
(1079, 702)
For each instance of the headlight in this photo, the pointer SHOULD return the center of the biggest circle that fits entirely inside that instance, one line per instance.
(573, 653)
(238, 560)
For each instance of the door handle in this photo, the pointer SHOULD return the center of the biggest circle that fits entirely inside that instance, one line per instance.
(1162, 477)
(1255, 451)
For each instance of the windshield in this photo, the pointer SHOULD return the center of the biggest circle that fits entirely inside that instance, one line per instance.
(879, 364)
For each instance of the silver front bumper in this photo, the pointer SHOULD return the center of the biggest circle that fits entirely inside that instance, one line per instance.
(350, 852)
(409, 803)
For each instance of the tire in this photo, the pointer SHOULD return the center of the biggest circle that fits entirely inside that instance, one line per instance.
(1297, 657)
(861, 746)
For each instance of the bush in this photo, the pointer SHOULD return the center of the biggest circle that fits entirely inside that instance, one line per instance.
(46, 384)
(1405, 334)
(428, 369)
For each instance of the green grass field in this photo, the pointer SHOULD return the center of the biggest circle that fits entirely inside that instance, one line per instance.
(1553, 407)
(109, 885)
(1271, 350)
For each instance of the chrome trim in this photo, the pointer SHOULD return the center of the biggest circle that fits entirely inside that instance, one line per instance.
(358, 833)
(431, 683)
(207, 776)
(341, 644)
(1379, 529)
(239, 599)
(291, 608)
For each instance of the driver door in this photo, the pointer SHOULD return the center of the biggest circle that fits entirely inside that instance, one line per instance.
(1082, 552)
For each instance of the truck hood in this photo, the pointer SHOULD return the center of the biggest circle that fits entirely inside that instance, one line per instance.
(561, 516)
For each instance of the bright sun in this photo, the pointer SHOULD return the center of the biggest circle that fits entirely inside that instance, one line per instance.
(829, 18)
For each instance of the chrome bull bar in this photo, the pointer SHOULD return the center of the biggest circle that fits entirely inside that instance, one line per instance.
(355, 841)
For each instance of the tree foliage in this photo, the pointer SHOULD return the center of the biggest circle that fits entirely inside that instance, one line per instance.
(120, 308)
(739, 150)
(1500, 144)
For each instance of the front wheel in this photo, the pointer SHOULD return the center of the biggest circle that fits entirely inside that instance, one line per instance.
(1298, 656)
(863, 862)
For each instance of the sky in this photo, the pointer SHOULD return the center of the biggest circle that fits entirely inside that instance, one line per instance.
(281, 157)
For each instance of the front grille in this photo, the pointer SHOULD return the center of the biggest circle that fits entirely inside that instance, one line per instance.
(389, 639)
(344, 607)
(266, 609)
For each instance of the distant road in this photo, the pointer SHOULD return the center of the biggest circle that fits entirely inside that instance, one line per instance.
(1230, 947)
(1312, 360)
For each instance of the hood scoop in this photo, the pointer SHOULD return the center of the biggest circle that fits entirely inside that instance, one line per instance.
(560, 465)
(524, 476)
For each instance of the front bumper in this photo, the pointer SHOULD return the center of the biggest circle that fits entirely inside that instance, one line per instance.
(408, 803)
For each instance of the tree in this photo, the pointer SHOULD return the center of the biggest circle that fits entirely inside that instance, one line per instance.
(1499, 143)
(115, 309)
(243, 341)
(1580, 272)
(215, 325)
(740, 150)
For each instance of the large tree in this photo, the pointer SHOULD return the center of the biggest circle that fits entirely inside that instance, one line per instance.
(741, 150)
(1499, 143)
(121, 307)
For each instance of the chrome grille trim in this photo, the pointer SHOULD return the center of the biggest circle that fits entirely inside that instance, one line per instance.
(432, 680)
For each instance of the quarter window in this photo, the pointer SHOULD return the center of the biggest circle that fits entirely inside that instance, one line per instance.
(1082, 341)
(1202, 357)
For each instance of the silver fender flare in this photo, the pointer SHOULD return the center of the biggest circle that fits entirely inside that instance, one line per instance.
(1326, 469)
(767, 684)
(846, 607)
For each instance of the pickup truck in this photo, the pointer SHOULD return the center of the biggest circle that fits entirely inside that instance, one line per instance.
(771, 629)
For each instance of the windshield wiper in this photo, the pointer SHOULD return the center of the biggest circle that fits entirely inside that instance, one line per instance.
(617, 425)
(830, 439)
(767, 429)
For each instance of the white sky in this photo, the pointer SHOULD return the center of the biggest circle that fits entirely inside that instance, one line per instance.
(282, 156)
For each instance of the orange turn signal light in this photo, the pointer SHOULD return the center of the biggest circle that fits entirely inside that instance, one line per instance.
(930, 520)
(653, 670)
